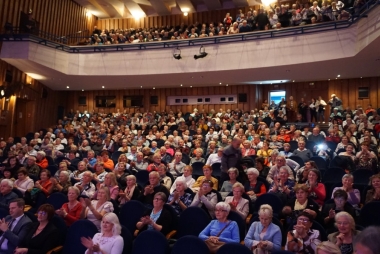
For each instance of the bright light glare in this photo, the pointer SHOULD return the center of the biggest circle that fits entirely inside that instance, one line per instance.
(35, 76)
(138, 14)
(267, 2)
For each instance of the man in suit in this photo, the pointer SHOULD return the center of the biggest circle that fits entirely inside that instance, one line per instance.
(13, 227)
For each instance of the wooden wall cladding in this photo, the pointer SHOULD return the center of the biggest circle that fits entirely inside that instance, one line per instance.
(162, 94)
(36, 112)
(171, 20)
(345, 89)
(61, 17)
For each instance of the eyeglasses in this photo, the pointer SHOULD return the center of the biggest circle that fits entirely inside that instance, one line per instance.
(219, 211)
(42, 213)
(206, 185)
(303, 220)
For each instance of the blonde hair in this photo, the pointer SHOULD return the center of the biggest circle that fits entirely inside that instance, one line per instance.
(266, 210)
(328, 247)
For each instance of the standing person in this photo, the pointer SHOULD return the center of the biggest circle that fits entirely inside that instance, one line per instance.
(335, 102)
(313, 110)
(291, 106)
(231, 158)
(320, 106)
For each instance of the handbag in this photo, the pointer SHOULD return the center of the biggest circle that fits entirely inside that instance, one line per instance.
(214, 247)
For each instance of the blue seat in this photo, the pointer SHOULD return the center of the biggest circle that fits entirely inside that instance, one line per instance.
(53, 169)
(128, 239)
(229, 248)
(270, 199)
(57, 199)
(18, 192)
(131, 213)
(187, 225)
(197, 169)
(321, 229)
(3, 213)
(293, 145)
(50, 160)
(310, 145)
(216, 169)
(282, 252)
(142, 177)
(185, 159)
(362, 176)
(369, 215)
(150, 242)
(234, 216)
(321, 163)
(80, 228)
(298, 160)
(333, 175)
(189, 245)
(60, 224)
(115, 156)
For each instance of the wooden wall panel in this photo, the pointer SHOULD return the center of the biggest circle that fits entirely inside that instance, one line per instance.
(41, 112)
(171, 20)
(162, 95)
(60, 18)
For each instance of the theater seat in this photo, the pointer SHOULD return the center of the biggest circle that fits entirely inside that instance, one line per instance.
(150, 242)
(190, 245)
(229, 248)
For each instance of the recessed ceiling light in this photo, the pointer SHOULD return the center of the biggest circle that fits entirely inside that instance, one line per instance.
(154, 88)
(329, 79)
(102, 86)
(361, 77)
(67, 87)
(220, 83)
(261, 83)
(181, 84)
(191, 86)
(192, 77)
(82, 90)
(227, 85)
(293, 80)
(338, 76)
(140, 86)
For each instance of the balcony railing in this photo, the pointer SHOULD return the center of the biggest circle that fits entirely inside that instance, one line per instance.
(58, 42)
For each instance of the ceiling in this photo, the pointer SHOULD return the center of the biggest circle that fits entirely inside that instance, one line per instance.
(365, 64)
(143, 8)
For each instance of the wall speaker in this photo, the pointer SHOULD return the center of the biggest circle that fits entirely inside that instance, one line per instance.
(154, 100)
(82, 100)
(242, 97)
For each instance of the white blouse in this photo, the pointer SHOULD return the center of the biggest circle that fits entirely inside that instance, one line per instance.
(108, 245)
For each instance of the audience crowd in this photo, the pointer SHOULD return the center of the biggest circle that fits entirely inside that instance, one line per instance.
(223, 162)
(273, 17)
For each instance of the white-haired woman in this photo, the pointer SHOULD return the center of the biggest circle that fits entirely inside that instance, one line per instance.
(131, 192)
(233, 173)
(237, 202)
(346, 234)
(108, 240)
(353, 194)
(198, 156)
(179, 199)
(221, 229)
(328, 248)
(263, 235)
(254, 188)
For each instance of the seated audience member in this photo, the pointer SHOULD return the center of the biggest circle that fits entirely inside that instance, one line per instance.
(365, 159)
(15, 227)
(373, 194)
(282, 186)
(247, 150)
(179, 199)
(221, 229)
(275, 170)
(121, 173)
(176, 166)
(94, 210)
(346, 234)
(140, 163)
(206, 198)
(107, 162)
(23, 182)
(131, 191)
(159, 218)
(164, 179)
(13, 165)
(187, 176)
(349, 152)
(108, 240)
(156, 162)
(237, 202)
(328, 248)
(32, 167)
(111, 183)
(299, 204)
(90, 160)
(302, 173)
(71, 210)
(303, 239)
(78, 174)
(317, 190)
(286, 152)
(86, 187)
(41, 161)
(261, 167)
(62, 184)
(42, 236)
(254, 188)
(44, 184)
(367, 242)
(154, 186)
(302, 152)
(100, 173)
(198, 156)
(264, 235)
(207, 171)
(62, 167)
(233, 173)
(340, 204)
(215, 157)
(264, 151)
(353, 194)
(6, 193)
